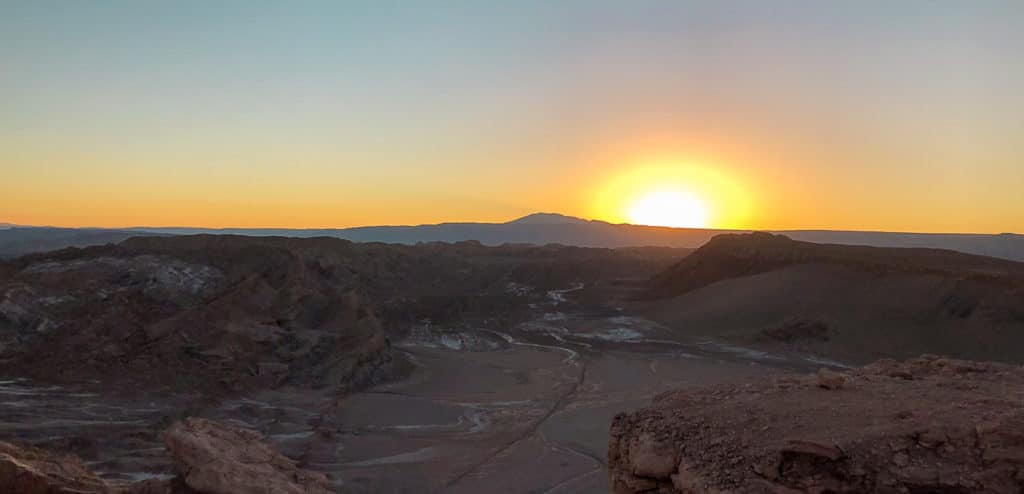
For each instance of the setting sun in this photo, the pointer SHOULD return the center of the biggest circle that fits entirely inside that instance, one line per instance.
(669, 208)
(675, 192)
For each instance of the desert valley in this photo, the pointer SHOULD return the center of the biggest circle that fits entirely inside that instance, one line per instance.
(460, 367)
(530, 247)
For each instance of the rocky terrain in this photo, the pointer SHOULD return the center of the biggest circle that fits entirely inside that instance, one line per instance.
(385, 368)
(929, 424)
(340, 354)
(224, 312)
(187, 313)
(209, 458)
(32, 471)
(848, 303)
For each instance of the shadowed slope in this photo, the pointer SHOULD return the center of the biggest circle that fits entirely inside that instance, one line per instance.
(845, 302)
(731, 255)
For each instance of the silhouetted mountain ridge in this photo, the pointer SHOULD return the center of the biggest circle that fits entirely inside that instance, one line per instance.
(549, 219)
(537, 228)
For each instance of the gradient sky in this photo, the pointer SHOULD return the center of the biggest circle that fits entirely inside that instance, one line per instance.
(876, 115)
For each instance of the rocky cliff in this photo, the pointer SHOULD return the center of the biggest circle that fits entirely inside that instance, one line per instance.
(926, 425)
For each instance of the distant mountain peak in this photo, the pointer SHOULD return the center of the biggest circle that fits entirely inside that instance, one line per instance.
(546, 219)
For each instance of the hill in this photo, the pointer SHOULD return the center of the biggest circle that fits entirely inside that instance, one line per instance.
(1003, 245)
(851, 303)
(548, 228)
(536, 229)
(732, 255)
(18, 240)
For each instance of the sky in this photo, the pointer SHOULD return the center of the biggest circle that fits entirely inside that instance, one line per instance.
(865, 115)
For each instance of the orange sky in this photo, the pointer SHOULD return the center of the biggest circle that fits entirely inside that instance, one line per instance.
(865, 116)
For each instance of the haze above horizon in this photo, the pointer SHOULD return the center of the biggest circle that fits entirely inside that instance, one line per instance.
(802, 115)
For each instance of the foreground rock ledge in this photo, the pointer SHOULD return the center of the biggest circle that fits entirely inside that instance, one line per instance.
(926, 425)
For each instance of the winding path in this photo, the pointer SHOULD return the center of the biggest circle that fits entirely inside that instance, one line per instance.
(532, 429)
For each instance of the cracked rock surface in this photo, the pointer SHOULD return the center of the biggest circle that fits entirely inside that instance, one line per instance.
(929, 424)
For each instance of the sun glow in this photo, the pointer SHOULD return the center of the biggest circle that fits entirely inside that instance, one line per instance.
(673, 192)
(669, 208)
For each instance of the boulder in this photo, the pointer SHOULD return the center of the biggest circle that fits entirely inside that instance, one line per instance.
(213, 458)
(828, 379)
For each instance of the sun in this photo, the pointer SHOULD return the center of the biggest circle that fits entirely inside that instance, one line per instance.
(674, 208)
(676, 192)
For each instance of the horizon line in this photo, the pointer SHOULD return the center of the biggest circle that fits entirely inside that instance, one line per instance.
(7, 225)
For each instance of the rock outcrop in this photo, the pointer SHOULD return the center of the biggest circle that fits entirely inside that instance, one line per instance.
(32, 471)
(210, 458)
(213, 458)
(926, 425)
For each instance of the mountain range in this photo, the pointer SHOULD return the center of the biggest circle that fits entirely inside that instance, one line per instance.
(538, 228)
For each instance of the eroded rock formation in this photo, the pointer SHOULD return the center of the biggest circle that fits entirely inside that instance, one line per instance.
(212, 314)
(221, 313)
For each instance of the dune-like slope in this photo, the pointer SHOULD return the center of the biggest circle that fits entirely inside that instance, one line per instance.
(847, 302)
